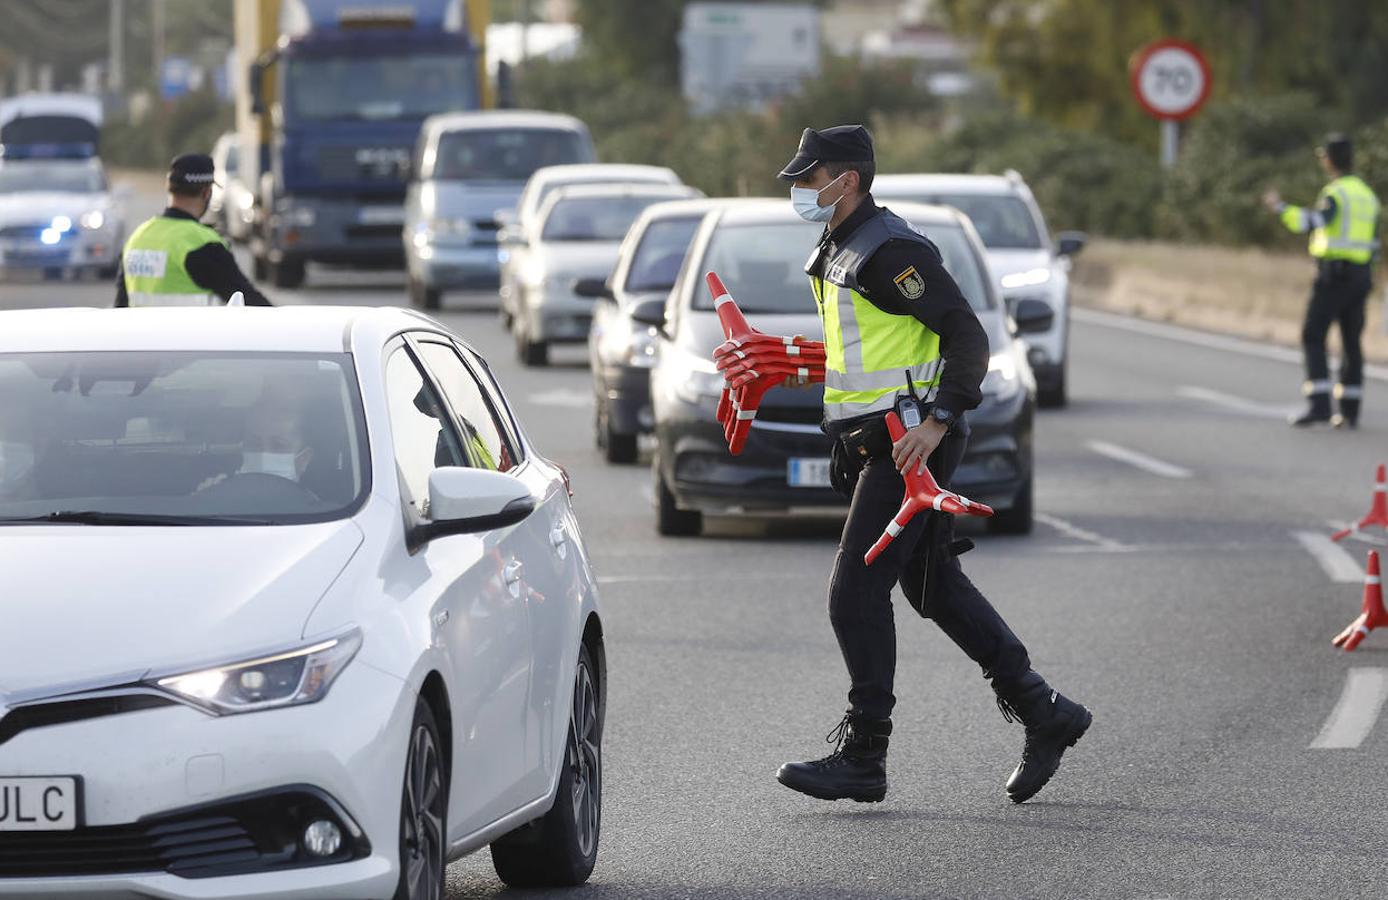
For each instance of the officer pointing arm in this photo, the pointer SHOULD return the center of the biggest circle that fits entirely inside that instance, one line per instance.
(175, 260)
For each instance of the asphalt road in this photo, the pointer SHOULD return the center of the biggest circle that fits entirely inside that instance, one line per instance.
(1166, 586)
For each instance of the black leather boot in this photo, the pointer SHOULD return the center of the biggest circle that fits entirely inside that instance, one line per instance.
(1053, 724)
(1348, 416)
(1317, 411)
(856, 770)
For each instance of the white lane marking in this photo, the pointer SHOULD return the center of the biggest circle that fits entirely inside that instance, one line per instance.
(1139, 460)
(1333, 558)
(1237, 404)
(1080, 534)
(1355, 714)
(562, 397)
(1201, 338)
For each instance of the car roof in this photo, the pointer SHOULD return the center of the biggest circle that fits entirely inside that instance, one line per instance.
(772, 211)
(947, 184)
(501, 118)
(283, 329)
(619, 189)
(574, 172)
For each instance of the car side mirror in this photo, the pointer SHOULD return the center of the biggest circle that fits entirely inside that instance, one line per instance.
(593, 288)
(465, 501)
(650, 312)
(1032, 316)
(1070, 243)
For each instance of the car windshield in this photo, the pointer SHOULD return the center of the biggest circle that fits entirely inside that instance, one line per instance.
(764, 266)
(659, 255)
(1003, 221)
(595, 218)
(210, 438)
(20, 178)
(320, 89)
(511, 154)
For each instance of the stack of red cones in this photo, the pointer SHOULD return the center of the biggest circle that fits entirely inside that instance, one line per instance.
(753, 363)
(1378, 511)
(922, 493)
(1373, 615)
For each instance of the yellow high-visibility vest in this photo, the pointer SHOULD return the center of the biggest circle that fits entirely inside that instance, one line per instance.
(1352, 234)
(153, 262)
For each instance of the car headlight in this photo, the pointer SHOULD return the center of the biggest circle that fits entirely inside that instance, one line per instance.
(295, 214)
(291, 678)
(703, 379)
(1002, 380)
(1029, 278)
(93, 220)
(640, 351)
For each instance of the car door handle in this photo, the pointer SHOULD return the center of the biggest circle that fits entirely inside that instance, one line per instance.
(559, 539)
(513, 573)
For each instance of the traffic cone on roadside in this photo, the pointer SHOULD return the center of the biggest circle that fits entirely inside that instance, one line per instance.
(922, 493)
(1378, 511)
(1374, 615)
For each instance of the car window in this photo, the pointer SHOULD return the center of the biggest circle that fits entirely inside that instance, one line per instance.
(659, 255)
(505, 154)
(483, 441)
(594, 218)
(764, 266)
(233, 160)
(423, 441)
(267, 436)
(1003, 221)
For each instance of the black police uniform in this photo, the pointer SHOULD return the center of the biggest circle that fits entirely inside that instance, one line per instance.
(211, 266)
(923, 557)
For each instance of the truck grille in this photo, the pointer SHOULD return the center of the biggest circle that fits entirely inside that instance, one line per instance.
(377, 165)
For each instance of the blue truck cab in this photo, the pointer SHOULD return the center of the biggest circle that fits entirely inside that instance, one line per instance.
(346, 88)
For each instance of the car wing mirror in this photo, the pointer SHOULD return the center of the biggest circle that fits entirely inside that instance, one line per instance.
(650, 312)
(466, 501)
(593, 289)
(1031, 316)
(1070, 243)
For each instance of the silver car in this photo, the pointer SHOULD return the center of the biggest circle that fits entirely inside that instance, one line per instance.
(59, 218)
(468, 174)
(1021, 255)
(574, 238)
(233, 202)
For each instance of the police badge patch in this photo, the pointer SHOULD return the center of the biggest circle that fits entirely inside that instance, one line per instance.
(910, 283)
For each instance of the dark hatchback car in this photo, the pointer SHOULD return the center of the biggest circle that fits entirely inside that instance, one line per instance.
(759, 249)
(630, 307)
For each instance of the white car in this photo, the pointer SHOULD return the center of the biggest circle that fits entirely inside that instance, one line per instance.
(233, 202)
(574, 237)
(58, 217)
(292, 609)
(1021, 255)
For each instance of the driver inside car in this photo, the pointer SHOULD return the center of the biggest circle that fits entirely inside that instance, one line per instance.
(274, 444)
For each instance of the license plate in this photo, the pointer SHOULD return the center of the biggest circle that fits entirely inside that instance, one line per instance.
(807, 472)
(381, 215)
(38, 804)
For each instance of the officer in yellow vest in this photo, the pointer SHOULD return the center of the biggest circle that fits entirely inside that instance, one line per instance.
(897, 326)
(1344, 236)
(173, 259)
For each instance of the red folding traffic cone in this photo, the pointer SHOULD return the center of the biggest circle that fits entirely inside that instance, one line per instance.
(1373, 616)
(1378, 512)
(922, 493)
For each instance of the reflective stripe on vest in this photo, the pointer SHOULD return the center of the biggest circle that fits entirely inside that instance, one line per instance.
(153, 261)
(1351, 234)
(868, 353)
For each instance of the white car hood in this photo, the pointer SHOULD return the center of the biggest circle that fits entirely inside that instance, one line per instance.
(1010, 262)
(80, 603)
(41, 206)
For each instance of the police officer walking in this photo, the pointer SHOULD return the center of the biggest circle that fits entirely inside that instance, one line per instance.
(1344, 229)
(897, 327)
(175, 260)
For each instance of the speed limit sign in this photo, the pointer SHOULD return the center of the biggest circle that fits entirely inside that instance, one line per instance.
(1171, 79)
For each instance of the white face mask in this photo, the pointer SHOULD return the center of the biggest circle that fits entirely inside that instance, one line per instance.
(285, 465)
(806, 203)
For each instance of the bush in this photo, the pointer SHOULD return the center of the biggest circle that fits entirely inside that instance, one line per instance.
(190, 124)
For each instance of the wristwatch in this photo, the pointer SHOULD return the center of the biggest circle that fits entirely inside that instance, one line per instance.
(943, 416)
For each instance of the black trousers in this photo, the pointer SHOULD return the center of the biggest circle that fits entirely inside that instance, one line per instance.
(860, 604)
(1338, 295)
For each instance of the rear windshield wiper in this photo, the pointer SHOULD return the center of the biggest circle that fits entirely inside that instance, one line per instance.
(100, 517)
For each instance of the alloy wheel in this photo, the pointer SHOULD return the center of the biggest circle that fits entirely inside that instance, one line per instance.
(585, 761)
(422, 818)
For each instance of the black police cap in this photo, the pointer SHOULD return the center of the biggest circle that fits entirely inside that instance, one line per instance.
(192, 170)
(842, 143)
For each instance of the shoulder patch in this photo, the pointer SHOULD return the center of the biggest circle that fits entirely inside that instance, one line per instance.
(910, 283)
